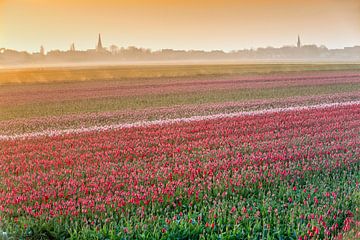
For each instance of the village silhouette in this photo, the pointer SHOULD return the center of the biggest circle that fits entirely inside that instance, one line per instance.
(114, 53)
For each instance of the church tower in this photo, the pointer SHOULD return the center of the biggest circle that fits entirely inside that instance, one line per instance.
(99, 47)
(299, 42)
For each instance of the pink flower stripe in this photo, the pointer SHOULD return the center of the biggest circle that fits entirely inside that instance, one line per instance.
(169, 121)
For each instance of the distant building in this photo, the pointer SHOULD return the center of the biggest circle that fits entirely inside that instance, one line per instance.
(42, 50)
(299, 42)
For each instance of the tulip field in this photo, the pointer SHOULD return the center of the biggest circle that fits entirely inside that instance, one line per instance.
(256, 168)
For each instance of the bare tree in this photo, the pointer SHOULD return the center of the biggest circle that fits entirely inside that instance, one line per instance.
(72, 47)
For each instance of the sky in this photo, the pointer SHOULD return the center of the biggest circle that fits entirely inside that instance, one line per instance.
(178, 24)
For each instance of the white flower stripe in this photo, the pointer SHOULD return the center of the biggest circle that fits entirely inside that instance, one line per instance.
(50, 133)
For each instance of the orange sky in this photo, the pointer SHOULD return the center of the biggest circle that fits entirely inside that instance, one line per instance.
(178, 24)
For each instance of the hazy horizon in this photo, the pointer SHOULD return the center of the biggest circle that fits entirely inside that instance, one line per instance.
(203, 25)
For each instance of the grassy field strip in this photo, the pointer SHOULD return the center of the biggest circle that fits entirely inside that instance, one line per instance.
(169, 121)
(51, 75)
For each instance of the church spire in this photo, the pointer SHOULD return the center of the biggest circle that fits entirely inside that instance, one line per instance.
(99, 46)
(299, 42)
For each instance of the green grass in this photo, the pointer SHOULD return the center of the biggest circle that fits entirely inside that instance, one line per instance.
(165, 100)
(50, 75)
